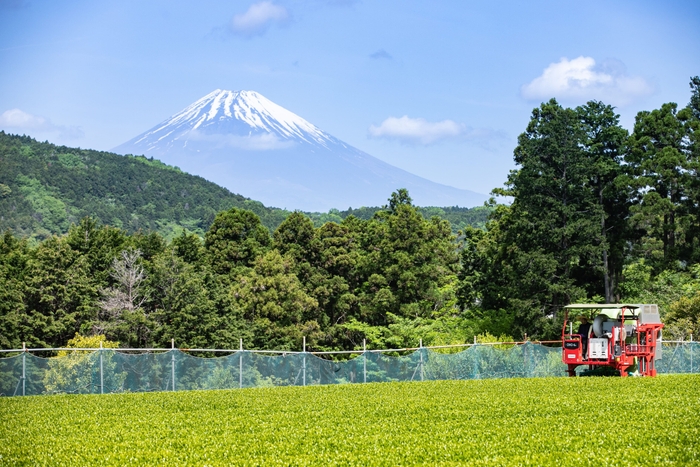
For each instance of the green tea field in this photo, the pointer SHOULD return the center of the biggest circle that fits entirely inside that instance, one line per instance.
(544, 421)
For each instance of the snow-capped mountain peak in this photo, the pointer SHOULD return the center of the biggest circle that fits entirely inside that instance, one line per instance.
(252, 146)
(241, 113)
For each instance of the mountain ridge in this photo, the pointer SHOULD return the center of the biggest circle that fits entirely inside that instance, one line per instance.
(44, 188)
(250, 145)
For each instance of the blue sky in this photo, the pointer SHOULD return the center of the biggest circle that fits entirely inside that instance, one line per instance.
(439, 88)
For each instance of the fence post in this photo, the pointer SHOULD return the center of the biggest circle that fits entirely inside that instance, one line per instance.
(240, 365)
(364, 360)
(527, 355)
(526, 360)
(24, 367)
(172, 367)
(421, 359)
(304, 363)
(102, 381)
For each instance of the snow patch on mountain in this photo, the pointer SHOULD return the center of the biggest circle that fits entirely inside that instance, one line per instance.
(256, 115)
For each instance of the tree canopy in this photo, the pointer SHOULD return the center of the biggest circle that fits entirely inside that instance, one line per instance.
(593, 214)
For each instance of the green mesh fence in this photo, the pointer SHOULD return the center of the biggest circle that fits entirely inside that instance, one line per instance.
(113, 371)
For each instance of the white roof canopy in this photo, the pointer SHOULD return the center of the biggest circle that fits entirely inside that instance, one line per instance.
(604, 306)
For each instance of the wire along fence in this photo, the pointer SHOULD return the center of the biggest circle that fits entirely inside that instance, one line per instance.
(101, 371)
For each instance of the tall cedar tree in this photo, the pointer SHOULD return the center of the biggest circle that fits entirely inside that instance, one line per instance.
(551, 246)
(660, 163)
(604, 146)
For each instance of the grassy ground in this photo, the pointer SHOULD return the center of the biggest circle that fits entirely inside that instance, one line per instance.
(557, 421)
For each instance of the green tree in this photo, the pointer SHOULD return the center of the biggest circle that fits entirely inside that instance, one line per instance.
(551, 228)
(98, 244)
(405, 260)
(274, 302)
(150, 244)
(336, 279)
(691, 116)
(312, 253)
(694, 104)
(235, 240)
(549, 247)
(185, 307)
(77, 371)
(683, 318)
(399, 198)
(660, 165)
(189, 247)
(604, 149)
(296, 237)
(60, 295)
(14, 258)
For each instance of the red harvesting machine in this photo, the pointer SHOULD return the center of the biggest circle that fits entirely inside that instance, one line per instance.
(621, 337)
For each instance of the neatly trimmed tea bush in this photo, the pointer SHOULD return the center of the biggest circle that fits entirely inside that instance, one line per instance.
(542, 421)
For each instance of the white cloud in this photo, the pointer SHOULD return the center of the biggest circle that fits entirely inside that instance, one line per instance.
(417, 130)
(580, 79)
(258, 18)
(18, 121)
(413, 131)
(15, 118)
(260, 142)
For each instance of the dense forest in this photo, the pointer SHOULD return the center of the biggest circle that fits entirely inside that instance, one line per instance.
(595, 214)
(459, 218)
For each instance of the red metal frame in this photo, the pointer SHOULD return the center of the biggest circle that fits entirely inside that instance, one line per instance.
(643, 352)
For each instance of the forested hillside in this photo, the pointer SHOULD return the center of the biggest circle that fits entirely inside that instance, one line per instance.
(45, 188)
(598, 215)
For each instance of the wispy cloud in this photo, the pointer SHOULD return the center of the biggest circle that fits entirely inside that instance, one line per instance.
(18, 121)
(580, 79)
(419, 131)
(258, 19)
(381, 54)
(260, 142)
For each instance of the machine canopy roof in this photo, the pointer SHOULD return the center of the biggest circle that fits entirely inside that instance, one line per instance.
(593, 306)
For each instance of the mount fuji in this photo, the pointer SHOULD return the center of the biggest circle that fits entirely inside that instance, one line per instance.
(252, 146)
